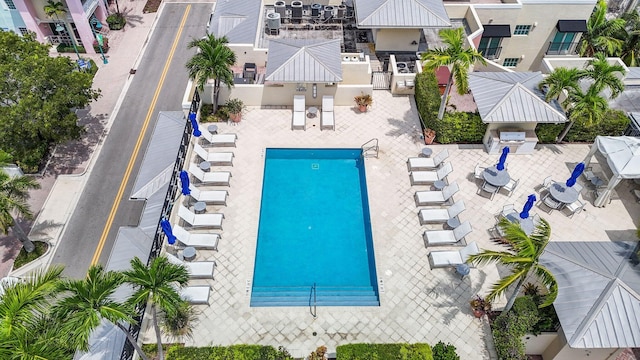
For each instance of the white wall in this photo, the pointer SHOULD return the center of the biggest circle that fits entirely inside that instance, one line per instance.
(397, 39)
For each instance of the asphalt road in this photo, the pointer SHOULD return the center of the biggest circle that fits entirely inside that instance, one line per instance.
(88, 221)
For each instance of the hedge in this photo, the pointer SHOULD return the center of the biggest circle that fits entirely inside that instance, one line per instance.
(235, 352)
(399, 351)
(510, 326)
(428, 98)
(614, 124)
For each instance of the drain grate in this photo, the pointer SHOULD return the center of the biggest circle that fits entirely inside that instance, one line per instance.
(315, 166)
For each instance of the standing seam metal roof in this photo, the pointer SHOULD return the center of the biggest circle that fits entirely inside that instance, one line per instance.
(402, 13)
(512, 97)
(237, 20)
(304, 61)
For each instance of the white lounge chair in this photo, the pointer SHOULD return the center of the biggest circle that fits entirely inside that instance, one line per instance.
(327, 120)
(196, 240)
(436, 197)
(429, 177)
(196, 295)
(446, 258)
(420, 163)
(434, 216)
(214, 197)
(196, 269)
(200, 220)
(446, 237)
(299, 119)
(218, 139)
(215, 158)
(220, 178)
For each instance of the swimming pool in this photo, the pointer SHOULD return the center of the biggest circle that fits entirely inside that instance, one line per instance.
(314, 229)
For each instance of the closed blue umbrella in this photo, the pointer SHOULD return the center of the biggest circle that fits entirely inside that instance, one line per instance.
(166, 228)
(184, 181)
(575, 174)
(194, 125)
(503, 159)
(527, 206)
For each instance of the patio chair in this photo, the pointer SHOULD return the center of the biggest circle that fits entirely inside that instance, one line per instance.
(578, 187)
(218, 139)
(448, 258)
(196, 269)
(196, 240)
(220, 178)
(636, 193)
(435, 216)
(327, 121)
(196, 295)
(488, 188)
(215, 158)
(551, 203)
(200, 220)
(546, 183)
(214, 197)
(506, 210)
(575, 207)
(511, 186)
(447, 237)
(477, 172)
(298, 120)
(429, 177)
(436, 197)
(421, 163)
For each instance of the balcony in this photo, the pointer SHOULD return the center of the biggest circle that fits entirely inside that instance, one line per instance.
(89, 6)
(491, 53)
(562, 48)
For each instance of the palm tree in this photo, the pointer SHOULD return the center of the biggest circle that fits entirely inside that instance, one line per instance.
(587, 107)
(157, 284)
(523, 259)
(559, 80)
(602, 35)
(605, 75)
(456, 56)
(631, 46)
(212, 61)
(179, 324)
(54, 8)
(14, 192)
(86, 302)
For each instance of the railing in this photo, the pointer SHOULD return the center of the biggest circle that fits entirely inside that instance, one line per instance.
(562, 48)
(313, 305)
(370, 145)
(491, 53)
(156, 246)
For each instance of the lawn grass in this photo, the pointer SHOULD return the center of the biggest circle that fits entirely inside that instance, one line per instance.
(24, 257)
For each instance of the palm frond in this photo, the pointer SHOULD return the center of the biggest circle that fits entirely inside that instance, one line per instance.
(502, 285)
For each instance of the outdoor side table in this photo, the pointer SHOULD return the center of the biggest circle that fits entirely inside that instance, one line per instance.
(496, 177)
(205, 166)
(463, 270)
(213, 129)
(453, 223)
(199, 207)
(439, 184)
(313, 112)
(426, 152)
(189, 253)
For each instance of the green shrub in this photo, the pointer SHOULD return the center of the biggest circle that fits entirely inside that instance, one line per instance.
(243, 352)
(510, 326)
(428, 98)
(442, 351)
(384, 352)
(25, 257)
(116, 21)
(68, 48)
(548, 133)
(614, 124)
(460, 128)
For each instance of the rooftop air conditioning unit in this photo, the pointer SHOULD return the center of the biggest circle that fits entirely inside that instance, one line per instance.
(296, 9)
(273, 21)
(328, 12)
(315, 10)
(281, 9)
(342, 9)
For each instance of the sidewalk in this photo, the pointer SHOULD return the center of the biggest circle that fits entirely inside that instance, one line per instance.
(64, 176)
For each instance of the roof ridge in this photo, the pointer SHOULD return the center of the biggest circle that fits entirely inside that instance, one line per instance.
(423, 5)
(374, 11)
(313, 55)
(593, 312)
(580, 263)
(517, 87)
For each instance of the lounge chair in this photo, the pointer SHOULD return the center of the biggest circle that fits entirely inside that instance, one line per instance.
(447, 237)
(220, 178)
(447, 258)
(435, 216)
(196, 295)
(196, 269)
(214, 197)
(200, 220)
(436, 197)
(327, 121)
(196, 240)
(429, 177)
(421, 163)
(215, 158)
(219, 139)
(298, 120)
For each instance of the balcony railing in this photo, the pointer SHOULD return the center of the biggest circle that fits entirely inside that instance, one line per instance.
(562, 48)
(491, 53)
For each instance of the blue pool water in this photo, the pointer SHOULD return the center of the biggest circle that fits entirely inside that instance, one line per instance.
(314, 228)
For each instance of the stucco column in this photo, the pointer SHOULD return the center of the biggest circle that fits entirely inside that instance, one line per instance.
(28, 14)
(81, 21)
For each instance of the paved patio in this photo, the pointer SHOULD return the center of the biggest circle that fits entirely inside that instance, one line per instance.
(417, 304)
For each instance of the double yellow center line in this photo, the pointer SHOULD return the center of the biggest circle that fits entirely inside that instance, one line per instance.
(136, 149)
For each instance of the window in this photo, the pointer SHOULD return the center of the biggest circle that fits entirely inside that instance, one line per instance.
(562, 43)
(522, 30)
(23, 30)
(10, 4)
(490, 47)
(510, 62)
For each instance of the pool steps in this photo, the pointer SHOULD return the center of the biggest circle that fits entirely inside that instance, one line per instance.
(325, 296)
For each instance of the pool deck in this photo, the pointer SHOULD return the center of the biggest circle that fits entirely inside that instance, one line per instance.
(417, 304)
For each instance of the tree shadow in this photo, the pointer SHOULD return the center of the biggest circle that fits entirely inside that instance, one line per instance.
(455, 293)
(132, 19)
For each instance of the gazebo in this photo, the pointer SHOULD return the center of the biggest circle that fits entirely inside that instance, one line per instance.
(623, 157)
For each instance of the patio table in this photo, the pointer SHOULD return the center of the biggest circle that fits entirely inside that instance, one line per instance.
(495, 177)
(563, 193)
(526, 224)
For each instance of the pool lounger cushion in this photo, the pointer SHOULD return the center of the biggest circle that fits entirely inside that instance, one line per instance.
(196, 269)
(215, 158)
(196, 295)
(214, 197)
(219, 139)
(200, 220)
(447, 258)
(220, 178)
(196, 240)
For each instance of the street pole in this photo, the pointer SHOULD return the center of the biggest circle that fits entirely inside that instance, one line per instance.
(71, 37)
(91, 24)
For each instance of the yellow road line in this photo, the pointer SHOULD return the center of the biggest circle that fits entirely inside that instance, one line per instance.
(136, 149)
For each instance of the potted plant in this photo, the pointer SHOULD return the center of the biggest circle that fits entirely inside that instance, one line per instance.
(429, 136)
(116, 21)
(234, 108)
(363, 101)
(480, 306)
